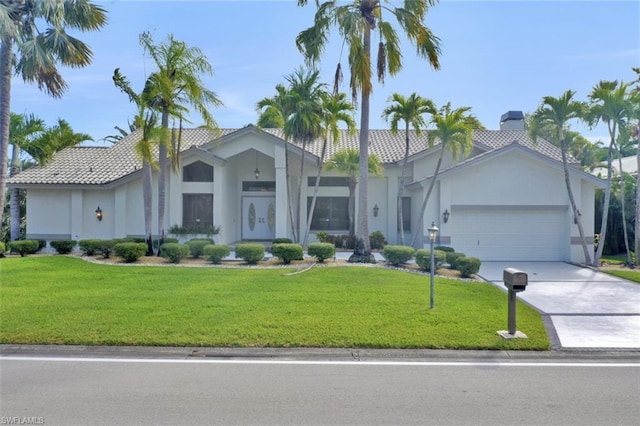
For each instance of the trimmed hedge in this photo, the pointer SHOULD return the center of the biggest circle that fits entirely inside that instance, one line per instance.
(130, 252)
(174, 252)
(423, 258)
(287, 252)
(215, 253)
(452, 259)
(196, 245)
(250, 253)
(281, 241)
(322, 251)
(63, 246)
(105, 247)
(398, 255)
(89, 247)
(24, 247)
(377, 240)
(3, 248)
(444, 248)
(468, 265)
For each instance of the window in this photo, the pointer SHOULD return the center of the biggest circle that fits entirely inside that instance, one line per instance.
(197, 210)
(329, 181)
(258, 186)
(197, 172)
(330, 214)
(406, 214)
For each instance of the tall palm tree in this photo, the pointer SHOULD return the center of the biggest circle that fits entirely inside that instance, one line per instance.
(35, 31)
(336, 110)
(454, 129)
(557, 112)
(174, 86)
(611, 103)
(411, 110)
(22, 130)
(347, 161)
(55, 138)
(355, 21)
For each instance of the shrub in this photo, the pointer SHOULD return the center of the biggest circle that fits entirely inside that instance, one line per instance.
(423, 258)
(287, 252)
(174, 252)
(130, 252)
(339, 241)
(3, 248)
(196, 245)
(397, 255)
(105, 247)
(215, 253)
(446, 249)
(155, 243)
(322, 251)
(63, 246)
(89, 247)
(468, 265)
(24, 247)
(281, 241)
(250, 253)
(377, 240)
(41, 244)
(452, 258)
(122, 240)
(322, 236)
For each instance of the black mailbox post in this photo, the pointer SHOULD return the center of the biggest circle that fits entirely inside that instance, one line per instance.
(515, 281)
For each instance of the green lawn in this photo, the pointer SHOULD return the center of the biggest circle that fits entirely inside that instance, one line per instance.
(64, 300)
(627, 274)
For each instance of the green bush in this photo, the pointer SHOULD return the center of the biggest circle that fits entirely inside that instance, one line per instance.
(196, 245)
(89, 247)
(452, 259)
(287, 252)
(377, 240)
(322, 251)
(105, 247)
(3, 248)
(215, 253)
(24, 247)
(122, 240)
(250, 253)
(41, 244)
(281, 241)
(166, 240)
(398, 255)
(468, 265)
(322, 236)
(174, 252)
(63, 246)
(444, 248)
(130, 252)
(423, 258)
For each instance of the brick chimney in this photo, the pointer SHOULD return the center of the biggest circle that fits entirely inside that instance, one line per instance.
(512, 120)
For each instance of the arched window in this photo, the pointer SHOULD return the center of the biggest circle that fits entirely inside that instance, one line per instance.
(197, 172)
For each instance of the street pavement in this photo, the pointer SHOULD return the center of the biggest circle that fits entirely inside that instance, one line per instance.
(586, 308)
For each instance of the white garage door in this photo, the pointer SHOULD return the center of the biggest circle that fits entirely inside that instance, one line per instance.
(510, 232)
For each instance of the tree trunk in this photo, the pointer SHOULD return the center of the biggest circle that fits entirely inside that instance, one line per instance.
(401, 185)
(315, 194)
(363, 181)
(605, 208)
(289, 201)
(420, 231)
(622, 207)
(351, 207)
(6, 63)
(162, 175)
(14, 197)
(299, 203)
(147, 200)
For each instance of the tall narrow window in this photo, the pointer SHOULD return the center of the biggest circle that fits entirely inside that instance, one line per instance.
(197, 172)
(330, 214)
(197, 210)
(406, 214)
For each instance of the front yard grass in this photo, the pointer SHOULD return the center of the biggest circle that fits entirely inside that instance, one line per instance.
(627, 274)
(64, 300)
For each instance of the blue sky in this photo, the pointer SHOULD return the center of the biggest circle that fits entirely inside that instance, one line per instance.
(496, 56)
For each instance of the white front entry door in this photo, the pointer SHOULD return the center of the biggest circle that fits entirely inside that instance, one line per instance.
(258, 218)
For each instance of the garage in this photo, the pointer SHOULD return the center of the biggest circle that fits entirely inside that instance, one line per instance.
(531, 233)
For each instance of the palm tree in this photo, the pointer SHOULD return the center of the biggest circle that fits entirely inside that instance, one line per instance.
(55, 138)
(611, 103)
(347, 161)
(355, 21)
(336, 110)
(557, 112)
(454, 129)
(174, 85)
(22, 130)
(39, 50)
(411, 110)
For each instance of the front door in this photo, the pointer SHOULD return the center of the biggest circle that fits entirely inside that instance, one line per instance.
(258, 218)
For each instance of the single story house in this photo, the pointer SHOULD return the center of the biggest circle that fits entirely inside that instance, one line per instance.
(506, 200)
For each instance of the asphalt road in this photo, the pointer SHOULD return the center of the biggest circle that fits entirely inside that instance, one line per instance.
(482, 390)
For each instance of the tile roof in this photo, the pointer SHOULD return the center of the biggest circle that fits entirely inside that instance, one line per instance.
(104, 165)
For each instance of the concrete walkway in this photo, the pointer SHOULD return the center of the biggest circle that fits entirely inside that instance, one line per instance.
(587, 308)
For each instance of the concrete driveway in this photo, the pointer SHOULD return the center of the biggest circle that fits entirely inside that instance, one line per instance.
(586, 308)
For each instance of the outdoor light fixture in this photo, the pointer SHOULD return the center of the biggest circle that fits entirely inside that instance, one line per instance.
(445, 216)
(433, 234)
(376, 209)
(257, 171)
(99, 213)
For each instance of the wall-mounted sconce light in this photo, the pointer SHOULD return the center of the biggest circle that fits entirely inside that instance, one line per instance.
(445, 216)
(257, 171)
(99, 213)
(376, 209)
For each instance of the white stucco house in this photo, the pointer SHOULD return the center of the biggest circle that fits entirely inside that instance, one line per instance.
(506, 200)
